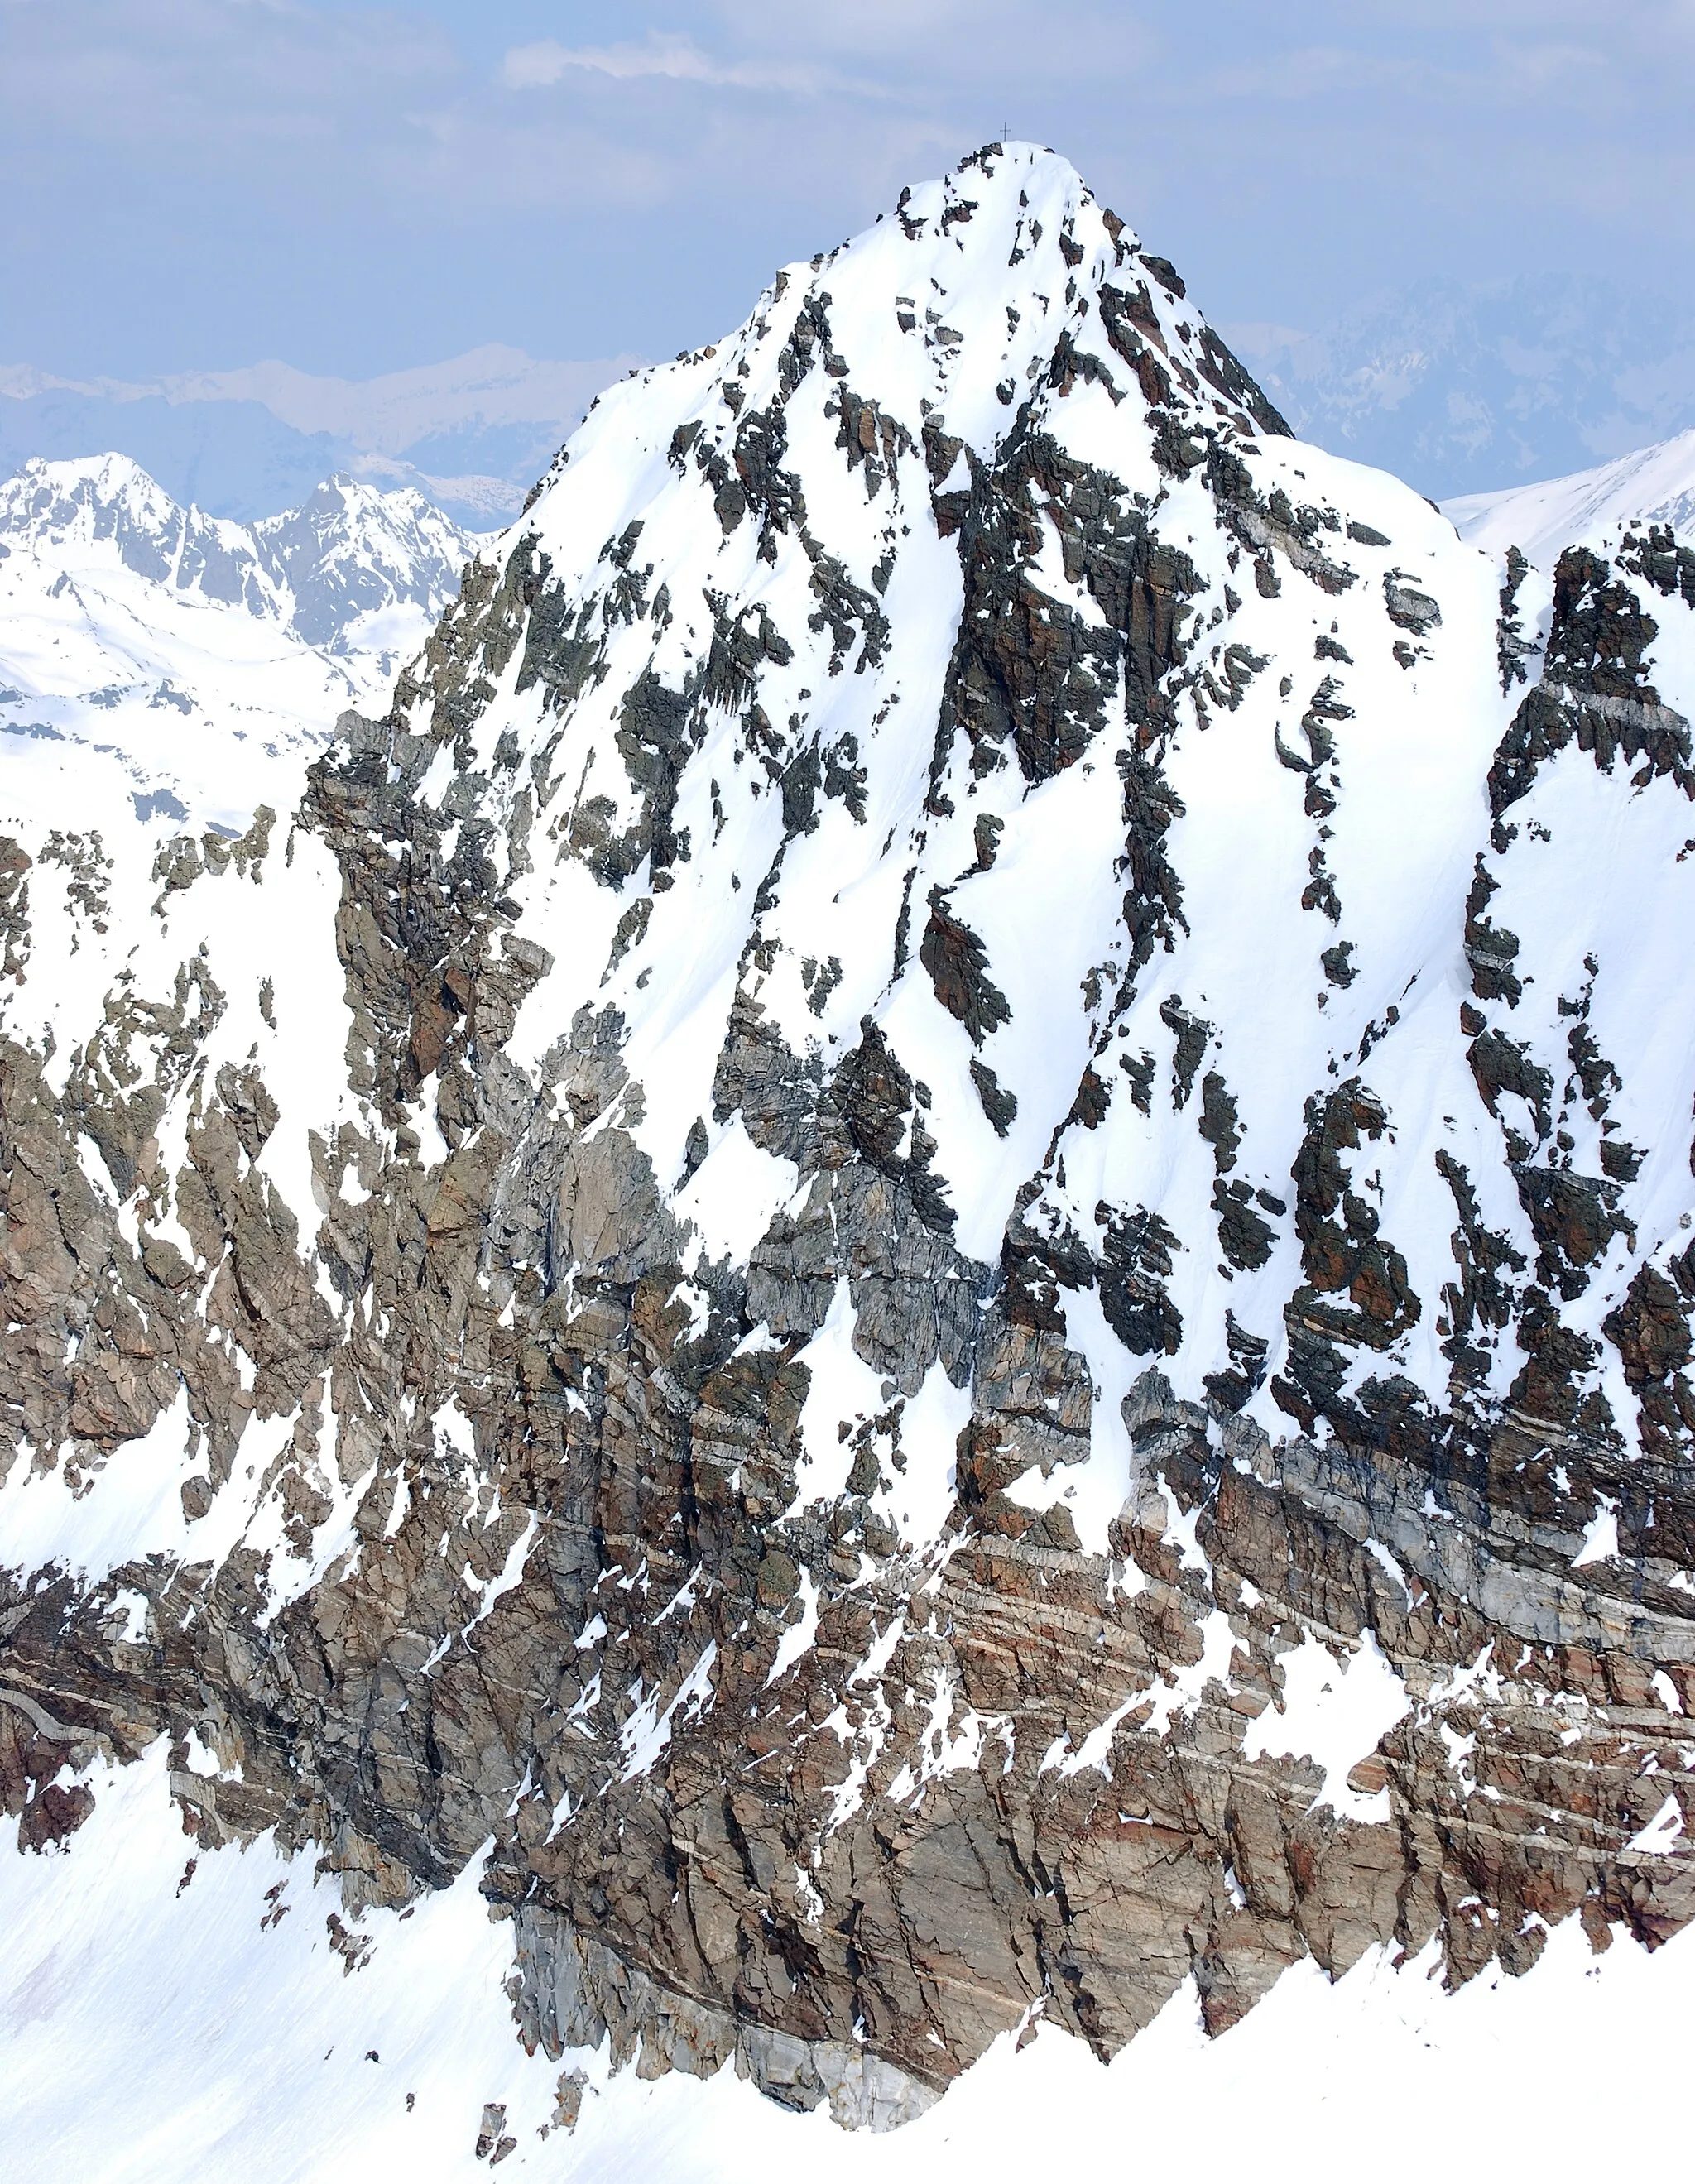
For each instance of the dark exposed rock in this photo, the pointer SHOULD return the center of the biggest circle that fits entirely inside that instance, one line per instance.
(1231, 1389)
(958, 965)
(1217, 365)
(1136, 1254)
(1574, 1218)
(1140, 1069)
(1480, 1302)
(1265, 524)
(1408, 608)
(1659, 559)
(1595, 691)
(1343, 1252)
(1027, 670)
(1511, 648)
(564, 1442)
(1219, 1124)
(1246, 1238)
(1650, 1330)
(1000, 1105)
(774, 1091)
(1192, 1035)
(1501, 1064)
(1489, 949)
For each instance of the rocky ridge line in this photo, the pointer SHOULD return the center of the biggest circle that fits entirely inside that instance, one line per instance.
(847, 1496)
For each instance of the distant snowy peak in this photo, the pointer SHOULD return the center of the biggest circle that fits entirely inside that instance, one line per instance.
(350, 553)
(1655, 485)
(323, 570)
(157, 661)
(105, 510)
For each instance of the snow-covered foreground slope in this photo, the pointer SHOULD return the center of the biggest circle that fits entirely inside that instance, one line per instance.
(155, 2034)
(161, 666)
(922, 1264)
(1655, 485)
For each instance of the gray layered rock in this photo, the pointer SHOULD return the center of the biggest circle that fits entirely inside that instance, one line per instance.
(882, 1158)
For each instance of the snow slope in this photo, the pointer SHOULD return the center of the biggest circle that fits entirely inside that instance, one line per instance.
(155, 2033)
(190, 667)
(951, 960)
(1655, 485)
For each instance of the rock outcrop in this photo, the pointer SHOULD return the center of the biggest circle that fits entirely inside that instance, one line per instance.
(935, 1229)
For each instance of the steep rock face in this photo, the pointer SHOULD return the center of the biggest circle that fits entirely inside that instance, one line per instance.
(935, 1229)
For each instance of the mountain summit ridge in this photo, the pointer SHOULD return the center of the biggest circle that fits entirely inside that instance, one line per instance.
(975, 1307)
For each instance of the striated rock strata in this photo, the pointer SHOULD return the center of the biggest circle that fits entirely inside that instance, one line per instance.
(936, 1229)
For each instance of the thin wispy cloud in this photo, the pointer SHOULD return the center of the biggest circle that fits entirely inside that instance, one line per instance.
(547, 61)
(355, 184)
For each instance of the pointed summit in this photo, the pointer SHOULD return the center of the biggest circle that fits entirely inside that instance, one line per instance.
(924, 1251)
(980, 294)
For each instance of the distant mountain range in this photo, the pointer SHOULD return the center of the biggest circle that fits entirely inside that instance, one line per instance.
(184, 666)
(1464, 388)
(1459, 389)
(473, 434)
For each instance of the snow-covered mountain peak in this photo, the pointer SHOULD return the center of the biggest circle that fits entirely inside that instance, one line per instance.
(924, 1247)
(350, 557)
(955, 304)
(84, 499)
(184, 666)
(957, 498)
(105, 513)
(349, 552)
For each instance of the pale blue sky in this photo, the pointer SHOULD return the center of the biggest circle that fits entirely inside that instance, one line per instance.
(206, 182)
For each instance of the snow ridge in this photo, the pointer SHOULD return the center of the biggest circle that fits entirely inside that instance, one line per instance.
(1654, 485)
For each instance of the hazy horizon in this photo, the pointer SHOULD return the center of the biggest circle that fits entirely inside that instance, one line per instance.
(197, 185)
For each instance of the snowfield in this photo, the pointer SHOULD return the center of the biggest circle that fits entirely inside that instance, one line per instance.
(155, 2033)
